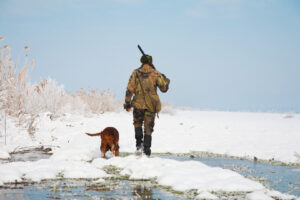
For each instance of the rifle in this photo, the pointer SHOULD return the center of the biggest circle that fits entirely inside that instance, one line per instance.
(141, 50)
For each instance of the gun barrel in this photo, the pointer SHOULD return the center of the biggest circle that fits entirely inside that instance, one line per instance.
(141, 50)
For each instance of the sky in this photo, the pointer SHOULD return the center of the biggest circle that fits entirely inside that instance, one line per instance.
(231, 55)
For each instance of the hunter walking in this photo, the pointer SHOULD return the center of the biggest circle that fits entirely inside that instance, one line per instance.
(142, 86)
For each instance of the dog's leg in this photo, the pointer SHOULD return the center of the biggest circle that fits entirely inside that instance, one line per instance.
(103, 155)
(117, 150)
(113, 150)
(103, 149)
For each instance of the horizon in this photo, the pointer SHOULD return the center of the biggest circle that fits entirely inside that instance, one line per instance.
(230, 55)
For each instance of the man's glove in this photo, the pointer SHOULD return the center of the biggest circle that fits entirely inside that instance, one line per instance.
(127, 106)
(166, 79)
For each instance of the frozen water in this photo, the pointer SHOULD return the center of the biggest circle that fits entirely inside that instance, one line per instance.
(285, 179)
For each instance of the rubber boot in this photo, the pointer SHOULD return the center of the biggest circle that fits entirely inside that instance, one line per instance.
(139, 138)
(147, 144)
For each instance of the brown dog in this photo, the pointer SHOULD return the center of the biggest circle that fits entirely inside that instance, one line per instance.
(109, 141)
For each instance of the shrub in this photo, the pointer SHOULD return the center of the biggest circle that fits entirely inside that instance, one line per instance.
(99, 102)
(13, 84)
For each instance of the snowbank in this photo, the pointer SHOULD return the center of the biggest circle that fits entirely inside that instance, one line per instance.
(181, 176)
(48, 169)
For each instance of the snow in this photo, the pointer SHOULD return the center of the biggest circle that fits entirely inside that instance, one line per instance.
(76, 155)
(268, 195)
(278, 195)
(4, 154)
(48, 169)
(263, 135)
(9, 173)
(206, 195)
(258, 195)
(180, 176)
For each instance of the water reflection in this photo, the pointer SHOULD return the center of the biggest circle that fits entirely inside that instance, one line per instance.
(86, 189)
(142, 192)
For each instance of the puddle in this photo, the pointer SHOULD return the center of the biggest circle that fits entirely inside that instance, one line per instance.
(84, 189)
(28, 155)
(285, 179)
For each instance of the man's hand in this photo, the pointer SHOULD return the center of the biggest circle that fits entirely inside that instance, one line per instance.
(127, 107)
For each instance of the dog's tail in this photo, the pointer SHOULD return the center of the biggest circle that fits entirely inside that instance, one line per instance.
(94, 134)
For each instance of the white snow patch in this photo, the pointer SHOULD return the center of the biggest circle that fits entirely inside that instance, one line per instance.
(100, 180)
(181, 176)
(279, 195)
(258, 195)
(207, 196)
(4, 154)
(48, 169)
(9, 173)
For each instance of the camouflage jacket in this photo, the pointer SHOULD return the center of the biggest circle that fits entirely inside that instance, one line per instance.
(143, 85)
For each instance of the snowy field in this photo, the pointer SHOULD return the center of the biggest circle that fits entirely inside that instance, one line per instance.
(266, 136)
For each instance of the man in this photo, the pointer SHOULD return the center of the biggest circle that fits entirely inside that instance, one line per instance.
(143, 85)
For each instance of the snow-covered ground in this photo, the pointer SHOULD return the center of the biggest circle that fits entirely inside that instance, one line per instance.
(264, 135)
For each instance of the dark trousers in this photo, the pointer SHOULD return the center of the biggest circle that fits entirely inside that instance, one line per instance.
(140, 117)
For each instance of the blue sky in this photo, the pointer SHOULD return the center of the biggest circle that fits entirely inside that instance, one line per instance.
(219, 54)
